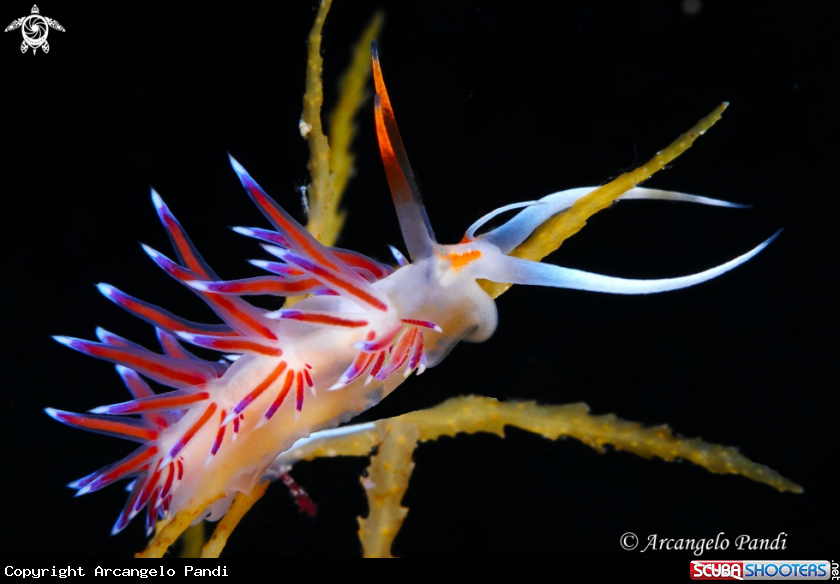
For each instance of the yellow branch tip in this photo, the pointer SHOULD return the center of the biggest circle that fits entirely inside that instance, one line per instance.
(551, 234)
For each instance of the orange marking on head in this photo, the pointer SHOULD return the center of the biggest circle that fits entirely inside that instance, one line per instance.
(459, 260)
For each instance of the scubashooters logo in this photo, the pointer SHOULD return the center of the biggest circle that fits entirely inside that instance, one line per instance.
(35, 29)
(760, 570)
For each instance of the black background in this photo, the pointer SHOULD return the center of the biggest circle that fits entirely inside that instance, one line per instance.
(497, 102)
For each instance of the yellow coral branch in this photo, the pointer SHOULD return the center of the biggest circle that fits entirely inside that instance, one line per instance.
(391, 468)
(551, 234)
(192, 540)
(482, 414)
(360, 442)
(172, 530)
(352, 95)
(242, 503)
(386, 483)
(331, 169)
(320, 190)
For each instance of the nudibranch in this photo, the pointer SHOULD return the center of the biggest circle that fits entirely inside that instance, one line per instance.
(362, 329)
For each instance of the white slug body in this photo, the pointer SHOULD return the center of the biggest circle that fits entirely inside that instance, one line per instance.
(364, 328)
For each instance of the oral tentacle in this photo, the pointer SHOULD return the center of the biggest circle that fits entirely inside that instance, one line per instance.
(509, 235)
(518, 271)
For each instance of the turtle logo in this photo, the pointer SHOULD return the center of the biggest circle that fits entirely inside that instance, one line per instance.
(35, 29)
